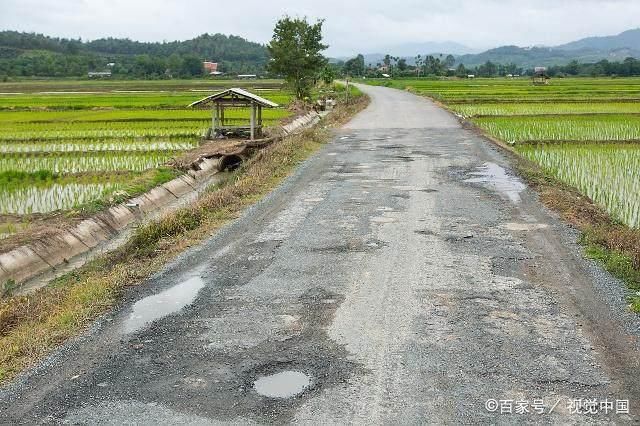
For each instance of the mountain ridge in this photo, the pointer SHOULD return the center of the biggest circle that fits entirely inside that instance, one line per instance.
(589, 49)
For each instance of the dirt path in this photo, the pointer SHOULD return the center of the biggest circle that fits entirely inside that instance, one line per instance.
(402, 275)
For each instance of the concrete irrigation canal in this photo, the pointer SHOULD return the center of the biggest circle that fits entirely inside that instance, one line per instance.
(402, 275)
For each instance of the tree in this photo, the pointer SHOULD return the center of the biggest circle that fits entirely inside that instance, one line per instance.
(402, 64)
(419, 63)
(572, 68)
(461, 71)
(355, 66)
(295, 53)
(192, 66)
(433, 66)
(387, 61)
(449, 61)
(488, 69)
(327, 74)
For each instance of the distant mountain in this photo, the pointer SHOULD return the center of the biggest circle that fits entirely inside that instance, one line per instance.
(30, 54)
(429, 48)
(626, 40)
(592, 49)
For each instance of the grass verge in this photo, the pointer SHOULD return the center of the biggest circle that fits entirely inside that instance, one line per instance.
(31, 325)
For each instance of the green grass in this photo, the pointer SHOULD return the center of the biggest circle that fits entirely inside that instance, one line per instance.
(619, 265)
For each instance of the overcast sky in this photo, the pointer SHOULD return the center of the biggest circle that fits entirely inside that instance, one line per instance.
(351, 26)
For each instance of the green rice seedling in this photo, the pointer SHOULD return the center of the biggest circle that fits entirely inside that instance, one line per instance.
(98, 145)
(609, 174)
(56, 196)
(66, 163)
(547, 108)
(563, 128)
(128, 115)
(126, 100)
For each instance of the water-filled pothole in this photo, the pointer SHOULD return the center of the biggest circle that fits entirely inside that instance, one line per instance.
(496, 177)
(157, 306)
(285, 384)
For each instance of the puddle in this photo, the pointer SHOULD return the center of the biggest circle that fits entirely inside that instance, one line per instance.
(151, 308)
(282, 385)
(496, 177)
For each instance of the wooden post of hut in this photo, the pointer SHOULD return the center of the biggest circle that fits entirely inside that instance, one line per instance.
(235, 98)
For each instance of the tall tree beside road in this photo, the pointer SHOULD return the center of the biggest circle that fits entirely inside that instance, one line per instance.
(295, 51)
(355, 67)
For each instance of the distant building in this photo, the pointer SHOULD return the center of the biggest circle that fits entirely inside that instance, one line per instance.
(471, 76)
(111, 64)
(247, 76)
(211, 68)
(99, 74)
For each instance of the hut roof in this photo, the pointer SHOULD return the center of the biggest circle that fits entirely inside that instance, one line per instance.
(236, 96)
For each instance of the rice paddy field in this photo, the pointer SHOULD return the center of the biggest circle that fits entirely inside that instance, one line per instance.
(67, 143)
(583, 131)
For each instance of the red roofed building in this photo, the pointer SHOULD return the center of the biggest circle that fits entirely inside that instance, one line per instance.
(211, 68)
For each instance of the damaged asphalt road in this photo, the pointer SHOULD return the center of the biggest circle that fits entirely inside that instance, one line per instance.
(402, 275)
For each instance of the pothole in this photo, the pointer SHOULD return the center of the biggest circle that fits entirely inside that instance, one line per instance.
(285, 384)
(496, 178)
(157, 306)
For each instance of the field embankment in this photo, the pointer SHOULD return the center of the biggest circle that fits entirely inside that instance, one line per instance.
(577, 142)
(31, 325)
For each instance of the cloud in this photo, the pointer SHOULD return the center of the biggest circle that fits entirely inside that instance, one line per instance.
(355, 26)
